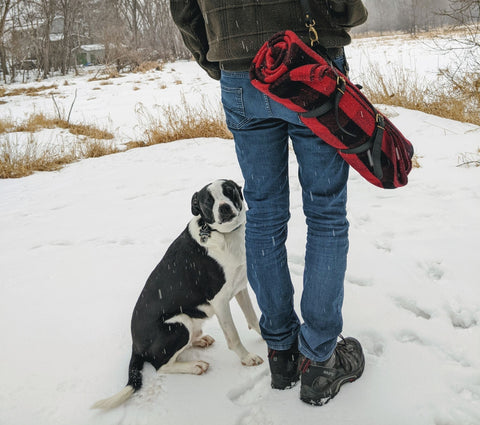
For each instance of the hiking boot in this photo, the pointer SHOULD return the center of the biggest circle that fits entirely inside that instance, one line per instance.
(321, 381)
(284, 367)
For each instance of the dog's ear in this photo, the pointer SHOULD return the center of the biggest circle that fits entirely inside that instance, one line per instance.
(195, 204)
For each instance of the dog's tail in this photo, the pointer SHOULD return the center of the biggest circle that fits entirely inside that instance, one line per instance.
(134, 384)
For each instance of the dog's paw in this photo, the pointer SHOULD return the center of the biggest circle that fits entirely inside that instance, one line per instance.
(203, 341)
(251, 360)
(200, 367)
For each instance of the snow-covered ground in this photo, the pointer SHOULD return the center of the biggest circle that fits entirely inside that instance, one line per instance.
(78, 244)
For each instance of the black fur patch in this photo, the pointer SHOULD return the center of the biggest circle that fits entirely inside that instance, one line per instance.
(233, 192)
(185, 278)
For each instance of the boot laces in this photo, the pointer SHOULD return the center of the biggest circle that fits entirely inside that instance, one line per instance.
(345, 355)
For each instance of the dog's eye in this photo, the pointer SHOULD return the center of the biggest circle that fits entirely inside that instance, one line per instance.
(231, 193)
(228, 192)
(209, 203)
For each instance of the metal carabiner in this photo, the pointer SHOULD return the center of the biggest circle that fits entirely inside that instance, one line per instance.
(312, 32)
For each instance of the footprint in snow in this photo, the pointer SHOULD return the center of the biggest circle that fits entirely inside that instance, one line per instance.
(433, 269)
(384, 243)
(255, 416)
(252, 390)
(407, 336)
(411, 306)
(373, 343)
(359, 281)
(462, 317)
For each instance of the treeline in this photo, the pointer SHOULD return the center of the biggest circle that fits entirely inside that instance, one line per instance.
(45, 36)
(409, 16)
(57, 35)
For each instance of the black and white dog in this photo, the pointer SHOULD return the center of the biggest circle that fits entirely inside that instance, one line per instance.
(202, 270)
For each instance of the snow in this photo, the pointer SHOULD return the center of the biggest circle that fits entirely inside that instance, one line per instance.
(92, 47)
(77, 246)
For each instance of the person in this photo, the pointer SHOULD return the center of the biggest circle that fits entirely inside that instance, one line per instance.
(224, 36)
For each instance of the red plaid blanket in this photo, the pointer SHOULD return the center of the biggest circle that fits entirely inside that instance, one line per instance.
(291, 73)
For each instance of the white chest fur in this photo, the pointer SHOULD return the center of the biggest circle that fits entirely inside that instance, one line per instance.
(228, 250)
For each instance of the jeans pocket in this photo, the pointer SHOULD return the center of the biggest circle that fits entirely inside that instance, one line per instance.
(232, 100)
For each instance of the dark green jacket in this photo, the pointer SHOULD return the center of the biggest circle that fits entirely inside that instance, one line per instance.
(226, 34)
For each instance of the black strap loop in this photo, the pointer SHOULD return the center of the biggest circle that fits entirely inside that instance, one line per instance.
(321, 110)
(373, 147)
(330, 104)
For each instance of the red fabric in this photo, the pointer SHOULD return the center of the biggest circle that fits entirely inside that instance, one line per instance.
(291, 73)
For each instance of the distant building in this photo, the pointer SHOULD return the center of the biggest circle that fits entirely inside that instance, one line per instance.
(90, 54)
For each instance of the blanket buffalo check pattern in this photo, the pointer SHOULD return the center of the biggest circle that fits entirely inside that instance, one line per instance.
(293, 74)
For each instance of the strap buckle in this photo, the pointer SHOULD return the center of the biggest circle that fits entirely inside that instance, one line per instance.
(341, 84)
(379, 121)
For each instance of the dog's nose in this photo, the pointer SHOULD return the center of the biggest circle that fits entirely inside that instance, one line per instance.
(226, 213)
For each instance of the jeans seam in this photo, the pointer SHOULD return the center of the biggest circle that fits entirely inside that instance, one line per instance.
(235, 74)
(266, 101)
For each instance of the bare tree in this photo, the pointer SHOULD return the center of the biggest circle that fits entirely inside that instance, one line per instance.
(47, 33)
(465, 14)
(4, 10)
(464, 74)
(76, 15)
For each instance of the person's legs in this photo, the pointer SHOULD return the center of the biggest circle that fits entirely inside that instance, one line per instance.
(323, 175)
(261, 129)
(261, 142)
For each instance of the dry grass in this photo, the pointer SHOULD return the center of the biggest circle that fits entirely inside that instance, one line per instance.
(6, 126)
(38, 122)
(106, 74)
(469, 159)
(86, 130)
(180, 122)
(132, 144)
(34, 123)
(16, 162)
(148, 66)
(457, 100)
(415, 162)
(28, 91)
(185, 122)
(97, 148)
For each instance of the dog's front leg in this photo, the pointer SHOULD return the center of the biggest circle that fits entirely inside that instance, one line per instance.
(245, 303)
(224, 315)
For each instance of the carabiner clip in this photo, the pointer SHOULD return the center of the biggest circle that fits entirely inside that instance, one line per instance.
(312, 32)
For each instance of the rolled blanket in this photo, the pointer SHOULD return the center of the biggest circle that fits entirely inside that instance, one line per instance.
(293, 74)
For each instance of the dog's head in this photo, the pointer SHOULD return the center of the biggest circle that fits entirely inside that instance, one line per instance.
(220, 205)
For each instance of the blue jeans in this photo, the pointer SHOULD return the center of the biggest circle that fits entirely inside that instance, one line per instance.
(261, 128)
